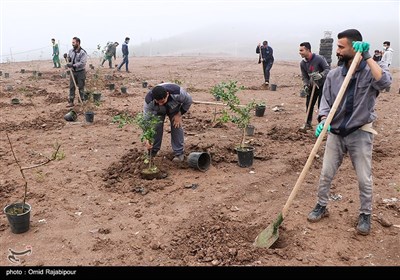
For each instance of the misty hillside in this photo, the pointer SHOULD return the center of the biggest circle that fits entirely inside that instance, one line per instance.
(242, 41)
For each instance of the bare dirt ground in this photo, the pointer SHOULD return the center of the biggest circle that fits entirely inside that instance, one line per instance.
(92, 208)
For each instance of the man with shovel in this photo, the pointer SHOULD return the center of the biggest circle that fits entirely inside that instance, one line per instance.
(314, 70)
(351, 126)
(76, 62)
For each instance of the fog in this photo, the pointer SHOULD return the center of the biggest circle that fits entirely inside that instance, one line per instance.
(208, 28)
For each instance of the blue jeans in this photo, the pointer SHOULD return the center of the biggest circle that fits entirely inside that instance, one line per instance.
(359, 146)
(124, 61)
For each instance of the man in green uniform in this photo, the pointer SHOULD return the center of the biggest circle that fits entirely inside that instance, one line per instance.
(56, 52)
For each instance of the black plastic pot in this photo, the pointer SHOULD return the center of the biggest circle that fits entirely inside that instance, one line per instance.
(89, 117)
(250, 130)
(111, 86)
(245, 156)
(260, 110)
(144, 84)
(22, 71)
(19, 223)
(273, 87)
(123, 90)
(71, 116)
(6, 75)
(199, 160)
(96, 96)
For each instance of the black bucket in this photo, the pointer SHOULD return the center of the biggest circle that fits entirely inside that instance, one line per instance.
(245, 156)
(96, 96)
(273, 87)
(144, 84)
(71, 116)
(250, 130)
(199, 160)
(19, 222)
(123, 89)
(260, 110)
(89, 117)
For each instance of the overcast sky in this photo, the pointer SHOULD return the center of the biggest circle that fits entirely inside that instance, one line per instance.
(27, 26)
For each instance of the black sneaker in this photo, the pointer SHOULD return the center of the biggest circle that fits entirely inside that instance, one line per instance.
(318, 213)
(364, 224)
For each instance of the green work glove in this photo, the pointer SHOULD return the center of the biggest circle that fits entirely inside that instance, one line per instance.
(319, 128)
(363, 48)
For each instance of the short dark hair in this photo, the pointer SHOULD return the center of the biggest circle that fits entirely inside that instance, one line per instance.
(159, 93)
(127, 38)
(307, 45)
(53, 39)
(386, 43)
(351, 35)
(265, 43)
(77, 39)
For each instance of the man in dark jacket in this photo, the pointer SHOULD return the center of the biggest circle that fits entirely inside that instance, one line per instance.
(267, 59)
(170, 100)
(314, 69)
(125, 54)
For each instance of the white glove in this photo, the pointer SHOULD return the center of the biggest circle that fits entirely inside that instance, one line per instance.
(316, 76)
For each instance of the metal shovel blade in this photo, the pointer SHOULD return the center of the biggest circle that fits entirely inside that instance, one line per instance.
(269, 235)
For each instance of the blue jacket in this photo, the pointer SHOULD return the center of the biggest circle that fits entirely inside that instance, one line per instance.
(267, 54)
(125, 50)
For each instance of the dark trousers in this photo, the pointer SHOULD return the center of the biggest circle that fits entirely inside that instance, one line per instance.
(267, 65)
(317, 96)
(177, 137)
(124, 61)
(80, 78)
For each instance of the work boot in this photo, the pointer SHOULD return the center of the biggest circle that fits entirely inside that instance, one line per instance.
(364, 224)
(318, 213)
(178, 158)
(70, 104)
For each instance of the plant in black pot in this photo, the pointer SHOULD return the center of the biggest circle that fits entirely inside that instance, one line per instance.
(94, 86)
(240, 115)
(148, 122)
(260, 109)
(18, 214)
(223, 91)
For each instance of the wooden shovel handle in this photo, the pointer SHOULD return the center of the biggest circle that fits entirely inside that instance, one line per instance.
(212, 103)
(328, 120)
(309, 103)
(76, 87)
